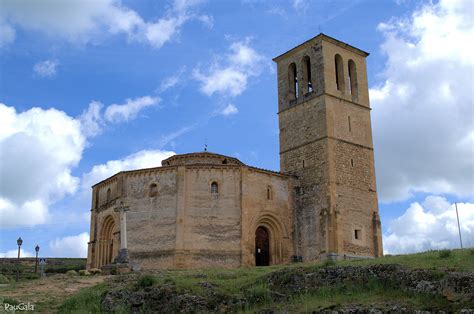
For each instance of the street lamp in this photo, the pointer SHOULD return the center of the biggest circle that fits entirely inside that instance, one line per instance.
(37, 248)
(19, 242)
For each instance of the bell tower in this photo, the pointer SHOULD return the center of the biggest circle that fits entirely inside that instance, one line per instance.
(326, 141)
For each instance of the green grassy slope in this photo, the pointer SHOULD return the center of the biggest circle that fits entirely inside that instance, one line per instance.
(263, 288)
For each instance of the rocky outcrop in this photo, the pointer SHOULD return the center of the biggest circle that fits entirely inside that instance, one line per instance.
(286, 284)
(454, 286)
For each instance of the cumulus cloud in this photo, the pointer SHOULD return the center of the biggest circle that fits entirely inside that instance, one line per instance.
(230, 109)
(83, 21)
(423, 111)
(124, 112)
(141, 159)
(70, 246)
(47, 68)
(430, 225)
(14, 253)
(38, 150)
(91, 119)
(229, 75)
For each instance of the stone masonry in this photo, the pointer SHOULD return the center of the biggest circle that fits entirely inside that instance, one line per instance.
(207, 210)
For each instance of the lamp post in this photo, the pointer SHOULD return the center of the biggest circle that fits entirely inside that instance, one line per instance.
(19, 242)
(37, 248)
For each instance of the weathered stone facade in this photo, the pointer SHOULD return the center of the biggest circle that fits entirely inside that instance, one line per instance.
(204, 209)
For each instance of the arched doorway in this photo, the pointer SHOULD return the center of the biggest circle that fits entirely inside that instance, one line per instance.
(262, 247)
(107, 249)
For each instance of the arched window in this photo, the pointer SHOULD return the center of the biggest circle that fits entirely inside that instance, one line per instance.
(339, 67)
(109, 195)
(153, 192)
(269, 193)
(353, 79)
(292, 82)
(306, 81)
(214, 188)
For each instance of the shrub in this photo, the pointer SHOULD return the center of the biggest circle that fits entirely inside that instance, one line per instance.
(472, 251)
(71, 273)
(257, 294)
(84, 272)
(95, 271)
(444, 253)
(146, 281)
(329, 262)
(3, 279)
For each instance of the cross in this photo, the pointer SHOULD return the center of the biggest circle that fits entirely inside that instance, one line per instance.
(123, 224)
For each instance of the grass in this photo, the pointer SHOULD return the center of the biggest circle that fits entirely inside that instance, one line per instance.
(371, 293)
(456, 260)
(88, 300)
(249, 283)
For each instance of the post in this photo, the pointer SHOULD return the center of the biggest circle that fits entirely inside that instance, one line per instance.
(123, 252)
(19, 242)
(37, 248)
(459, 226)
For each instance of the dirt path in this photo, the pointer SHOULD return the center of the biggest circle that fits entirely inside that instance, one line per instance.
(47, 294)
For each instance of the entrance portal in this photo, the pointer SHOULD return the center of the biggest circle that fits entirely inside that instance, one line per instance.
(262, 247)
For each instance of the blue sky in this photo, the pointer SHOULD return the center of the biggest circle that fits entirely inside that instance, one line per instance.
(89, 88)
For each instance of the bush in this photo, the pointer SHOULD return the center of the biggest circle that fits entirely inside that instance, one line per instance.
(472, 251)
(329, 262)
(95, 271)
(3, 279)
(84, 272)
(444, 253)
(71, 273)
(257, 294)
(146, 281)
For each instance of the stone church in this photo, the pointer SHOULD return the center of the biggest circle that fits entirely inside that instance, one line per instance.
(209, 210)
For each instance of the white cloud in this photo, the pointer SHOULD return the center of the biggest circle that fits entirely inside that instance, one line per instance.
(423, 112)
(119, 113)
(171, 81)
(430, 225)
(38, 150)
(230, 76)
(139, 160)
(83, 21)
(47, 68)
(7, 34)
(70, 246)
(14, 253)
(230, 109)
(91, 119)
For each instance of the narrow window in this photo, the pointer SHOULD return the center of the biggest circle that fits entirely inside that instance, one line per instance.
(306, 81)
(269, 193)
(353, 80)
(340, 85)
(303, 163)
(214, 188)
(352, 162)
(349, 123)
(153, 192)
(109, 195)
(357, 234)
(292, 82)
